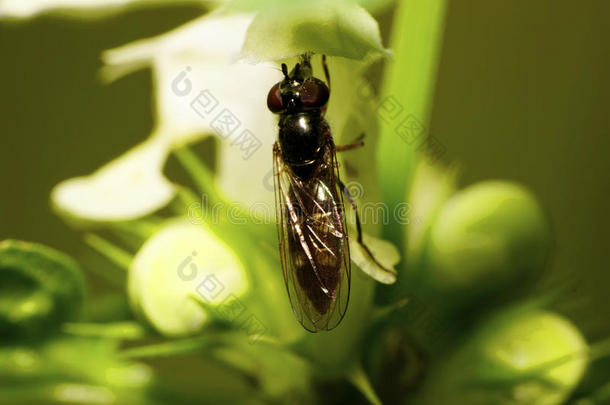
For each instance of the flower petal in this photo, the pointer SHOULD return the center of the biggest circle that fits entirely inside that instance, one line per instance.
(290, 29)
(200, 87)
(126, 188)
(385, 253)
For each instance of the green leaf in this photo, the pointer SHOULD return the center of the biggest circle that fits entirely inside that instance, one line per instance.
(362, 382)
(408, 91)
(288, 29)
(39, 289)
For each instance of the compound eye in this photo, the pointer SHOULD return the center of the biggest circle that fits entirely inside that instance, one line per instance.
(274, 99)
(314, 93)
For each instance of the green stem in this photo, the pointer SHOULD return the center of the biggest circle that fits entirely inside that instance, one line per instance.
(115, 330)
(200, 173)
(137, 230)
(175, 347)
(109, 250)
(380, 313)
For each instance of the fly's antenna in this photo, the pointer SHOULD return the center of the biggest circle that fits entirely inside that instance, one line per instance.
(285, 70)
(326, 73)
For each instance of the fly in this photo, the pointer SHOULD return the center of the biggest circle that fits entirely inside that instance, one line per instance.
(312, 230)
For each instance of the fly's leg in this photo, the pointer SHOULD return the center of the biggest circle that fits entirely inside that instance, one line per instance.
(355, 145)
(359, 227)
(326, 74)
(350, 146)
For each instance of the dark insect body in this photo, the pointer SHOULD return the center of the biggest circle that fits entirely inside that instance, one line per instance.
(312, 230)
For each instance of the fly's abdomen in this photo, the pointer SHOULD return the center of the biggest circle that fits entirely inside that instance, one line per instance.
(317, 273)
(317, 261)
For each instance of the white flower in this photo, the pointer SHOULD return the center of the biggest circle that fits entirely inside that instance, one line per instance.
(192, 64)
(126, 188)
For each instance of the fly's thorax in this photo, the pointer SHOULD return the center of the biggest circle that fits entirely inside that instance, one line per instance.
(302, 137)
(290, 93)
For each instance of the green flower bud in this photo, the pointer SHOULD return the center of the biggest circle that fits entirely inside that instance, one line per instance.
(179, 268)
(519, 357)
(487, 238)
(39, 289)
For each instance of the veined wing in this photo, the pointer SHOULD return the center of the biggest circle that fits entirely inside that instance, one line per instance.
(314, 246)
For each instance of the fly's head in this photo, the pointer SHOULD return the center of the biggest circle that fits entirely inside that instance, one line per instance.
(298, 91)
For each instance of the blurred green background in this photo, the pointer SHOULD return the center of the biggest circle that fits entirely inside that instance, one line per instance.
(522, 94)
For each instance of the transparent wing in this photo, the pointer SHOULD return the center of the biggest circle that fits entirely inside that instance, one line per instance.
(314, 246)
